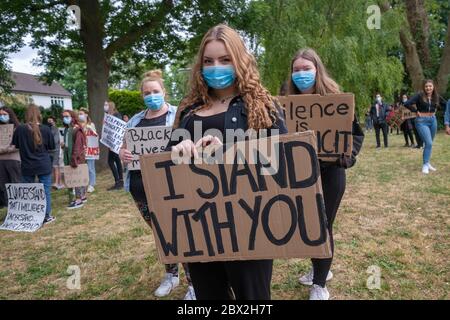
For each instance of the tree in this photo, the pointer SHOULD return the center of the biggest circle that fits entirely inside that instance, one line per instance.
(150, 30)
(426, 47)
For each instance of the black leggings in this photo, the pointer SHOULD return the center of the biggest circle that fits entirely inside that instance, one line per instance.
(240, 280)
(115, 165)
(333, 184)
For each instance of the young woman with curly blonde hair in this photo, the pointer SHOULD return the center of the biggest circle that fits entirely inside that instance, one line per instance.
(226, 93)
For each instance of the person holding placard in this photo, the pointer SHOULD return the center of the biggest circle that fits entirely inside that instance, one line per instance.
(426, 103)
(407, 127)
(226, 94)
(92, 150)
(157, 113)
(309, 76)
(113, 158)
(35, 143)
(9, 155)
(74, 148)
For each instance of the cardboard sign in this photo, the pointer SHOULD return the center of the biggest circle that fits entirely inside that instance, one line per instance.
(93, 149)
(219, 212)
(76, 177)
(146, 140)
(6, 134)
(113, 132)
(26, 207)
(330, 116)
(407, 114)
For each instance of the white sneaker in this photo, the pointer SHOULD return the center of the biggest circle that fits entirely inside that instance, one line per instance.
(425, 169)
(431, 167)
(169, 282)
(307, 279)
(190, 294)
(90, 189)
(318, 293)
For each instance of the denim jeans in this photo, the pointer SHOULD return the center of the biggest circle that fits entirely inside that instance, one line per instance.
(46, 180)
(426, 127)
(91, 167)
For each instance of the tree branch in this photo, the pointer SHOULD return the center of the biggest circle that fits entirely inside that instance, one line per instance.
(39, 7)
(136, 32)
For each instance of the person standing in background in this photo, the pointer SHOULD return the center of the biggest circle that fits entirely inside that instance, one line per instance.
(56, 172)
(35, 143)
(93, 149)
(9, 157)
(378, 112)
(447, 118)
(113, 158)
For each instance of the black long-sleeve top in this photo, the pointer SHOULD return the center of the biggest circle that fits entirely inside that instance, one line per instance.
(422, 105)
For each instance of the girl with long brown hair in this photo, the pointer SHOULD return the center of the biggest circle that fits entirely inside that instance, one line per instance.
(226, 93)
(308, 75)
(426, 103)
(35, 143)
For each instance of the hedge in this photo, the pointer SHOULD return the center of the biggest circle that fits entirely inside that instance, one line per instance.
(127, 102)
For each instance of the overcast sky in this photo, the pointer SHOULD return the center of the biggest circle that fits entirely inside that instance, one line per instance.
(21, 61)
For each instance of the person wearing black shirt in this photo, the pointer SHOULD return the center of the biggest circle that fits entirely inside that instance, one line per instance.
(35, 143)
(113, 158)
(426, 104)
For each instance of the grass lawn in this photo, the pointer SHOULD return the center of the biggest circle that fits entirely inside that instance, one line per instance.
(392, 217)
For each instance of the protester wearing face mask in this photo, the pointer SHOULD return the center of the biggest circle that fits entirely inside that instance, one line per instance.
(407, 126)
(226, 94)
(9, 157)
(74, 154)
(92, 150)
(56, 172)
(309, 76)
(113, 158)
(35, 143)
(379, 113)
(158, 112)
(426, 103)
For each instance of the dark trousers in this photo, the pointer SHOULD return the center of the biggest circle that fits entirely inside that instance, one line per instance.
(417, 135)
(333, 185)
(115, 165)
(246, 280)
(407, 132)
(383, 127)
(10, 172)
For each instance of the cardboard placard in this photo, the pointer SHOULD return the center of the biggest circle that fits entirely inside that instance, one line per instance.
(330, 116)
(219, 212)
(6, 134)
(407, 114)
(26, 207)
(113, 132)
(146, 140)
(76, 177)
(93, 149)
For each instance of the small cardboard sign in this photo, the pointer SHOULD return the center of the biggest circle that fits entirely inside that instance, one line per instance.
(146, 140)
(6, 134)
(407, 114)
(330, 116)
(113, 132)
(93, 149)
(219, 212)
(26, 207)
(76, 177)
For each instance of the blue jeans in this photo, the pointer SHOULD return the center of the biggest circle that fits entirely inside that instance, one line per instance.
(427, 127)
(91, 167)
(46, 180)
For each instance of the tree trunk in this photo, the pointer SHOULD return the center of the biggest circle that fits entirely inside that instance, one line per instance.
(412, 60)
(97, 65)
(420, 29)
(444, 70)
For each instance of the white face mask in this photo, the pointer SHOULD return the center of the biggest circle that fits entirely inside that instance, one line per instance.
(106, 107)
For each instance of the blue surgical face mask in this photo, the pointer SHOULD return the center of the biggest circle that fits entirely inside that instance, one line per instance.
(4, 118)
(219, 77)
(154, 102)
(82, 117)
(304, 80)
(67, 120)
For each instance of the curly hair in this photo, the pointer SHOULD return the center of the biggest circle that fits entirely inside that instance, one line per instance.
(261, 110)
